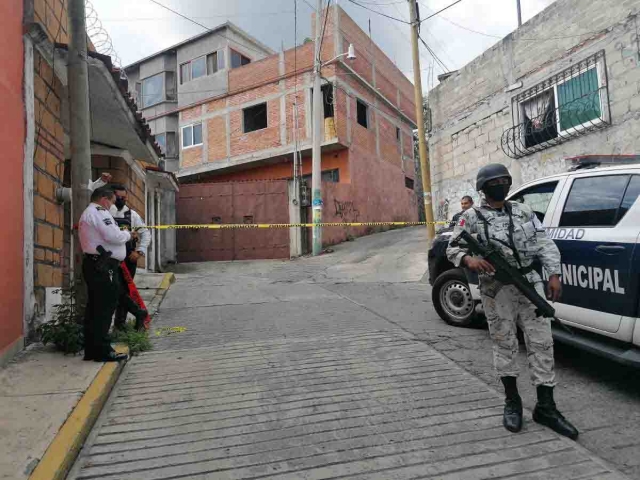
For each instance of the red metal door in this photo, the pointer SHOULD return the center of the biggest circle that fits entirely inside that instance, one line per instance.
(241, 202)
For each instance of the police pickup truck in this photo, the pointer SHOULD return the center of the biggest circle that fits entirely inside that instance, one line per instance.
(593, 215)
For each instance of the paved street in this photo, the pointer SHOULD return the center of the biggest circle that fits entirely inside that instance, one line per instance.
(338, 367)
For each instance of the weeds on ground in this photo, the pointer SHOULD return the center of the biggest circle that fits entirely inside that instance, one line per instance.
(136, 341)
(65, 330)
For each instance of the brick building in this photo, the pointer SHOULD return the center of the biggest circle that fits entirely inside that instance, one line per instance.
(564, 85)
(246, 132)
(37, 242)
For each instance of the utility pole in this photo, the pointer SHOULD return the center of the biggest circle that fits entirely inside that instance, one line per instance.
(424, 160)
(80, 124)
(519, 14)
(316, 153)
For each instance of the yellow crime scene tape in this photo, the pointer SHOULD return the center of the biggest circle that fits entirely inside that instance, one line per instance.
(225, 226)
(163, 331)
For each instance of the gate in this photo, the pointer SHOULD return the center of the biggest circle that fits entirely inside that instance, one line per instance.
(234, 202)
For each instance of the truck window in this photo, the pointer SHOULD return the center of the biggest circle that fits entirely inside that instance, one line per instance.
(594, 201)
(537, 197)
(630, 196)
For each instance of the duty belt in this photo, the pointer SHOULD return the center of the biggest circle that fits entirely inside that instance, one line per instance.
(112, 262)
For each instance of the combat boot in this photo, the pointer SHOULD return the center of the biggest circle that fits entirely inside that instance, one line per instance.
(512, 417)
(548, 415)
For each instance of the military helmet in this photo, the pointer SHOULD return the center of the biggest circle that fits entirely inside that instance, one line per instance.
(491, 172)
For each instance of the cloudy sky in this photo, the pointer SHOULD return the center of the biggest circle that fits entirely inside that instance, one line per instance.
(139, 28)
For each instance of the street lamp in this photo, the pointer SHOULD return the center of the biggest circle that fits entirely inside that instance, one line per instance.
(316, 154)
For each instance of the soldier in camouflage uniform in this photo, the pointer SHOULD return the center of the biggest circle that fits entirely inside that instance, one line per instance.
(517, 232)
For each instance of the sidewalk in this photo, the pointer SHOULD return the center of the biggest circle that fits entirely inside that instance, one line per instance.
(39, 391)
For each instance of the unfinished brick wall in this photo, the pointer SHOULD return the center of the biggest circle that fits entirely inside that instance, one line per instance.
(47, 176)
(373, 160)
(243, 143)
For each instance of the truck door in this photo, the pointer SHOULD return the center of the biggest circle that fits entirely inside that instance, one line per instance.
(596, 234)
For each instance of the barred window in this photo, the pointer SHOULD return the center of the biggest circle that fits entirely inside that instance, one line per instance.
(567, 105)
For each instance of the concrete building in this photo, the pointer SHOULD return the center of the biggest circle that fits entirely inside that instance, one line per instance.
(249, 132)
(564, 85)
(187, 73)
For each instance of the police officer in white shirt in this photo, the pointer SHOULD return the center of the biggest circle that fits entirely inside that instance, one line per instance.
(127, 219)
(97, 228)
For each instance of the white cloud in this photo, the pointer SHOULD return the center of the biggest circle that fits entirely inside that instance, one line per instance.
(139, 28)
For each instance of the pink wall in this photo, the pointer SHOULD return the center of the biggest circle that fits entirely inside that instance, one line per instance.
(376, 194)
(12, 132)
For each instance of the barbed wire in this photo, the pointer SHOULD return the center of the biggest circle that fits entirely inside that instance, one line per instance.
(100, 37)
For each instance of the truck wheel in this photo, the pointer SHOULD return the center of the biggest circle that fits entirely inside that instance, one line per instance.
(452, 299)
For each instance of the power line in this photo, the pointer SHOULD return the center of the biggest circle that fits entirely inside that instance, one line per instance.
(440, 11)
(380, 13)
(433, 54)
(324, 27)
(205, 27)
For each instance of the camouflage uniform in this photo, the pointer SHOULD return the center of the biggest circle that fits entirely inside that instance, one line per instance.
(504, 305)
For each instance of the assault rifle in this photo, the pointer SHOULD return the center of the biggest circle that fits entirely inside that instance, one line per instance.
(507, 274)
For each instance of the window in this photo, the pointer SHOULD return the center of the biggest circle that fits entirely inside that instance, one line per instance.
(363, 113)
(215, 62)
(185, 73)
(170, 87)
(238, 60)
(630, 196)
(398, 133)
(152, 90)
(327, 100)
(192, 135)
(409, 183)
(202, 66)
(161, 139)
(139, 93)
(254, 118)
(330, 176)
(537, 197)
(167, 142)
(198, 67)
(594, 201)
(569, 104)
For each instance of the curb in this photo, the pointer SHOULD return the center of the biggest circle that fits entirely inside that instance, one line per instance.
(63, 450)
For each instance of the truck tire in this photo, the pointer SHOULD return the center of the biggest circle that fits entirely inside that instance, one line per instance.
(452, 299)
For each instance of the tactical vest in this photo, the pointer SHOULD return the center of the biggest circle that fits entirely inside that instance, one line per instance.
(125, 224)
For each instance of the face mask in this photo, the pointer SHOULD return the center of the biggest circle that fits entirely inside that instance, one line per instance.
(120, 203)
(497, 192)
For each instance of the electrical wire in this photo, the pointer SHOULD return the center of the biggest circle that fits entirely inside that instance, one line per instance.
(324, 27)
(205, 27)
(433, 54)
(440, 11)
(380, 13)
(532, 39)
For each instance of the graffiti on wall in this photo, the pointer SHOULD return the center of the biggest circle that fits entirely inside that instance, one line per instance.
(443, 210)
(346, 211)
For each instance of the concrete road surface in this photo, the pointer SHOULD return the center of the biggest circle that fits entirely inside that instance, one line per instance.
(338, 367)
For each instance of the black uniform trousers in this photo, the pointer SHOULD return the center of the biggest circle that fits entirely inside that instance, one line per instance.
(103, 288)
(125, 303)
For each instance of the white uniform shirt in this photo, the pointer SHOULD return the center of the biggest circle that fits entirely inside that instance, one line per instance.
(137, 224)
(136, 220)
(98, 227)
